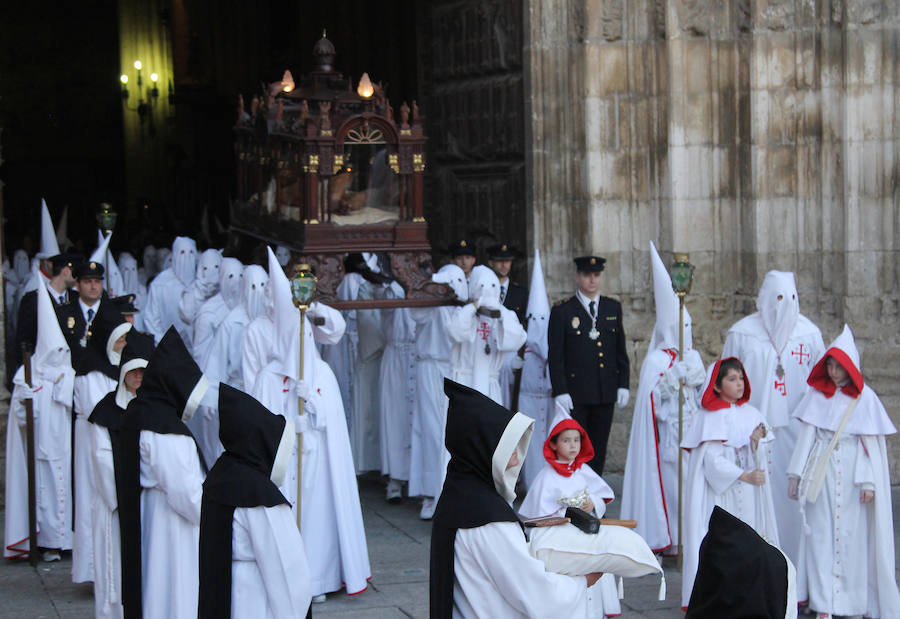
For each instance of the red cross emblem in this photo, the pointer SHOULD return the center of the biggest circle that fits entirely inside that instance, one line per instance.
(484, 330)
(800, 354)
(780, 386)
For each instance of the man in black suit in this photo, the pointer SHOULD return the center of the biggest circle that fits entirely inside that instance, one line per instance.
(76, 316)
(589, 367)
(61, 280)
(512, 295)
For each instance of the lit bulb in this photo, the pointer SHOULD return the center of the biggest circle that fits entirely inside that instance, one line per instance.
(365, 89)
(138, 65)
(287, 81)
(123, 78)
(154, 77)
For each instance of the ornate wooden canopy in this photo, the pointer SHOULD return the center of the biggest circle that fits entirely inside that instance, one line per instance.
(325, 170)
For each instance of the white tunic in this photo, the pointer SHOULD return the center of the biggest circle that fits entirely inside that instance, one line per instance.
(496, 577)
(89, 389)
(427, 452)
(52, 433)
(365, 419)
(105, 528)
(776, 399)
(479, 344)
(714, 468)
(536, 401)
(650, 487)
(398, 392)
(269, 560)
(172, 483)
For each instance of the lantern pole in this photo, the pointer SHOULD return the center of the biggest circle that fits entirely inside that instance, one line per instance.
(303, 288)
(682, 273)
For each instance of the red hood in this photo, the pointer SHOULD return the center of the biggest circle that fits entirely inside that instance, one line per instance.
(585, 455)
(711, 400)
(819, 379)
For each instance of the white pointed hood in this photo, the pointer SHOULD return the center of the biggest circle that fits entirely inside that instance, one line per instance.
(129, 269)
(207, 276)
(454, 277)
(230, 272)
(62, 234)
(184, 259)
(51, 349)
(283, 254)
(163, 259)
(286, 318)
(778, 315)
(21, 265)
(149, 262)
(113, 281)
(666, 331)
(484, 285)
(255, 282)
(49, 246)
(538, 312)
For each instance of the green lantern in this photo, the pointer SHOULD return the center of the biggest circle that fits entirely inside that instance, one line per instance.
(682, 273)
(106, 218)
(303, 286)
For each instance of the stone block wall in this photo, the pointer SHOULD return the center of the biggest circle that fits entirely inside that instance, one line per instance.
(755, 134)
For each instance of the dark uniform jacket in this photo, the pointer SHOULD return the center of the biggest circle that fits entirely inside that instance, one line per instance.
(588, 370)
(516, 300)
(71, 320)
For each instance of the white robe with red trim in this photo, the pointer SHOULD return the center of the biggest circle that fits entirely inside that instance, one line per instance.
(650, 487)
(479, 346)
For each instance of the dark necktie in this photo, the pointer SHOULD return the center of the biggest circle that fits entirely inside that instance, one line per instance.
(90, 315)
(62, 299)
(593, 309)
(502, 293)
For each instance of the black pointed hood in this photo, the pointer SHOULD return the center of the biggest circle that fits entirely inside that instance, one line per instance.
(740, 575)
(481, 436)
(136, 354)
(253, 439)
(172, 389)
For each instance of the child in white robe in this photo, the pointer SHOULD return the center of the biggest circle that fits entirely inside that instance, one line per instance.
(564, 482)
(725, 468)
(839, 473)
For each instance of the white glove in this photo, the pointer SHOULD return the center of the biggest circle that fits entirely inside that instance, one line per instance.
(516, 362)
(313, 310)
(621, 398)
(564, 401)
(302, 424)
(301, 389)
(27, 393)
(680, 370)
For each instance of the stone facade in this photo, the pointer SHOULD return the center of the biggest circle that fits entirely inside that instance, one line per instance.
(755, 134)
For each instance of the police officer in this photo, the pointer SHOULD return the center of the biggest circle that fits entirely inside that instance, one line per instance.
(589, 367)
(76, 316)
(512, 295)
(462, 254)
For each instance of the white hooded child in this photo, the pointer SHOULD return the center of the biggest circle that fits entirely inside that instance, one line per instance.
(482, 331)
(428, 455)
(839, 473)
(650, 487)
(329, 498)
(778, 347)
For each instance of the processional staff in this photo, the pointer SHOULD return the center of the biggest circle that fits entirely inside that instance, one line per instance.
(682, 273)
(30, 455)
(303, 289)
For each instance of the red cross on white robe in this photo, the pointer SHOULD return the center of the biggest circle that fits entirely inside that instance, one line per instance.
(484, 330)
(800, 354)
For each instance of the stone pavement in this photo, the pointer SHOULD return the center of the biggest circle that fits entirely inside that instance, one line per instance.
(398, 548)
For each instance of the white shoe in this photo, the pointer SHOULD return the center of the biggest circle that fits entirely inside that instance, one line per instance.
(318, 599)
(50, 556)
(428, 506)
(394, 491)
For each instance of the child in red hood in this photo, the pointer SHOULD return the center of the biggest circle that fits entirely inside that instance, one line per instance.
(839, 473)
(564, 482)
(724, 467)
